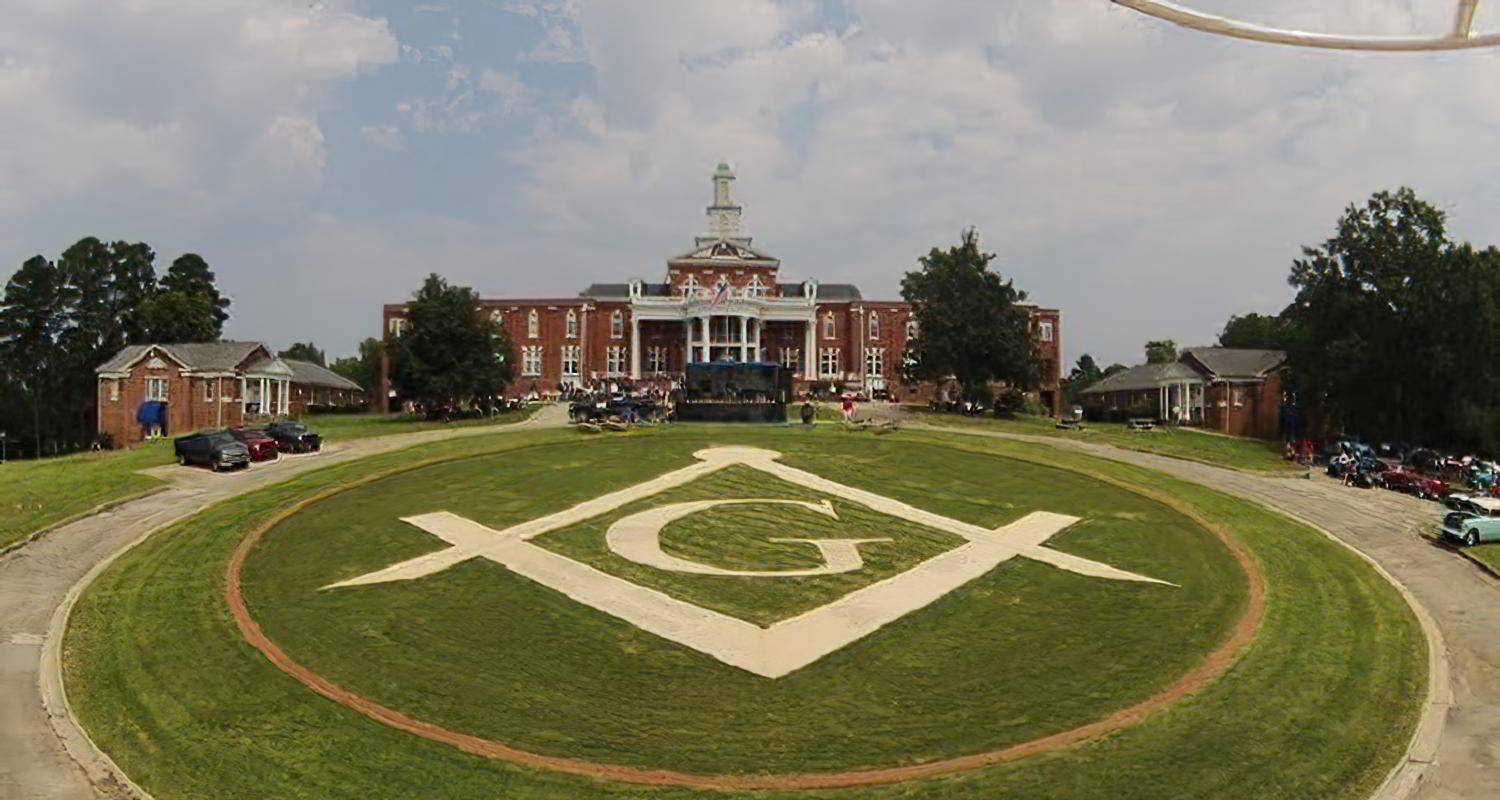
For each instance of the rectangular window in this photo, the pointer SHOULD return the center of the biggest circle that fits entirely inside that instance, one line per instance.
(572, 325)
(156, 389)
(208, 390)
(617, 326)
(828, 362)
(570, 361)
(531, 361)
(874, 325)
(828, 329)
(875, 362)
(1046, 331)
(656, 359)
(533, 324)
(791, 358)
(615, 361)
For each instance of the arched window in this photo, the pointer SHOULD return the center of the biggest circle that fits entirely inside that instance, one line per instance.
(497, 316)
(572, 324)
(911, 329)
(690, 286)
(755, 288)
(828, 327)
(533, 324)
(874, 325)
(617, 324)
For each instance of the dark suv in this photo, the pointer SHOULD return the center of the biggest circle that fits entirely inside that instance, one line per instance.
(294, 437)
(217, 450)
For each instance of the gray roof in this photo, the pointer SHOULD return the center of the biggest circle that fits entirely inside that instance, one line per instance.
(197, 356)
(310, 374)
(838, 291)
(1227, 363)
(1146, 376)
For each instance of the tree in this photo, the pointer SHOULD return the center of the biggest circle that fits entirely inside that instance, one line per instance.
(1393, 332)
(179, 317)
(1085, 373)
(1161, 351)
(190, 275)
(1255, 331)
(304, 351)
(1114, 368)
(451, 353)
(363, 369)
(972, 326)
(32, 320)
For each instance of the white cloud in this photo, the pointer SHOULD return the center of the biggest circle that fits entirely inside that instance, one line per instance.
(1149, 180)
(200, 85)
(386, 137)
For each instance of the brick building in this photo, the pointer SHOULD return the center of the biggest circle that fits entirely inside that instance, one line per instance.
(173, 389)
(725, 299)
(1229, 390)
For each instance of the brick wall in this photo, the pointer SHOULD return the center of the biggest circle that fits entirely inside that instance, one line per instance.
(188, 409)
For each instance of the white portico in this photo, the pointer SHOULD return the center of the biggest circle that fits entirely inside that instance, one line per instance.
(725, 296)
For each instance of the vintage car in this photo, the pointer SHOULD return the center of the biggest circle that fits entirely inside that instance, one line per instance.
(261, 446)
(215, 450)
(1477, 520)
(294, 437)
(1410, 481)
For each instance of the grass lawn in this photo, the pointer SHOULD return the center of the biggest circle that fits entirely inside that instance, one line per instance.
(35, 494)
(1488, 553)
(921, 688)
(1234, 452)
(1320, 705)
(365, 426)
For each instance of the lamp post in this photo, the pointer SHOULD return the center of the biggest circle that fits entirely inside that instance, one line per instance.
(2, 447)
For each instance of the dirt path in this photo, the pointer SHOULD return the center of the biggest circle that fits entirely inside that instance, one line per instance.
(35, 580)
(1463, 601)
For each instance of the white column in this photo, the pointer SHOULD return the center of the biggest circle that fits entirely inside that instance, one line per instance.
(707, 352)
(755, 349)
(687, 344)
(635, 347)
(810, 350)
(744, 337)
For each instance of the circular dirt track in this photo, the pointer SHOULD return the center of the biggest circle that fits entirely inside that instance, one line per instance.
(336, 676)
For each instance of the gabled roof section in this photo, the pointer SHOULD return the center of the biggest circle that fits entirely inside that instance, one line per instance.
(192, 356)
(727, 251)
(1145, 376)
(1228, 363)
(310, 374)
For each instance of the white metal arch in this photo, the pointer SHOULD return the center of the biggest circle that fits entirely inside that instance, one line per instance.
(1459, 38)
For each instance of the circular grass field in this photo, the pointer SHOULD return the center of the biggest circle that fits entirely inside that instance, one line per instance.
(1319, 704)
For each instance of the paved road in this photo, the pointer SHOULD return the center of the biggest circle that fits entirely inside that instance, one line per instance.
(1464, 601)
(35, 579)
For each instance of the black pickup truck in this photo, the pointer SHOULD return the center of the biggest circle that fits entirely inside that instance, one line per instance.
(294, 437)
(216, 450)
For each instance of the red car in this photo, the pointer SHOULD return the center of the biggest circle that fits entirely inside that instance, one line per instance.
(261, 446)
(1403, 479)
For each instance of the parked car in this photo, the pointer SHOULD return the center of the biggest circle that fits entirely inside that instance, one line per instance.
(294, 437)
(216, 450)
(1477, 520)
(1410, 481)
(261, 446)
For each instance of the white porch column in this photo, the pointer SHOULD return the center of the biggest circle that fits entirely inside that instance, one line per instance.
(755, 348)
(744, 337)
(635, 347)
(687, 344)
(810, 350)
(708, 354)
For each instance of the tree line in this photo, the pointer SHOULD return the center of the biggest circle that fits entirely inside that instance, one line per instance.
(60, 319)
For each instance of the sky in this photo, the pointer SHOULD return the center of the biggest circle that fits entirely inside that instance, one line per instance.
(326, 155)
